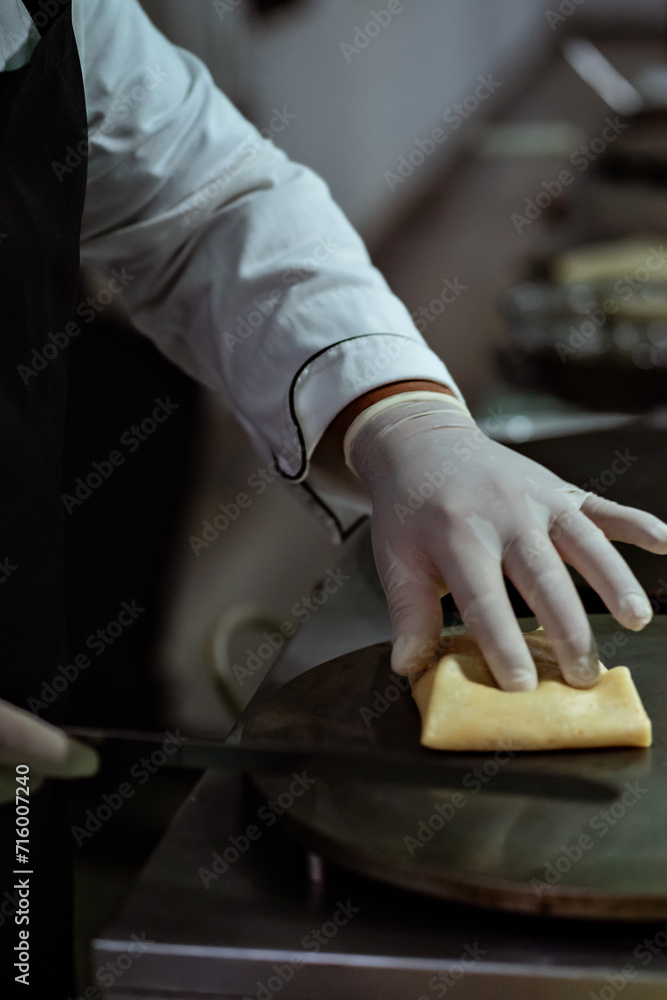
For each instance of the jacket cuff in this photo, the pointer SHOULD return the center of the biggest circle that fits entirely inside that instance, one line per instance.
(325, 385)
(334, 377)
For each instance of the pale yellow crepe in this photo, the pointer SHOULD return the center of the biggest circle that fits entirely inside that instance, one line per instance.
(462, 707)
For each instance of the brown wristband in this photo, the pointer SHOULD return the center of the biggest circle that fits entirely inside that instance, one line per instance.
(335, 433)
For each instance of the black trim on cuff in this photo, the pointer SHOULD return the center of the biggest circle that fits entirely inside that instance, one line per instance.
(302, 443)
(343, 532)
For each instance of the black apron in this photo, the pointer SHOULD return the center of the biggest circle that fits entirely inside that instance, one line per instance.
(42, 112)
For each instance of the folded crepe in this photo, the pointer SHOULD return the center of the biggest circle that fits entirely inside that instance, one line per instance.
(462, 707)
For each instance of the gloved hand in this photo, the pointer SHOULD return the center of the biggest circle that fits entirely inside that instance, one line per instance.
(48, 751)
(453, 510)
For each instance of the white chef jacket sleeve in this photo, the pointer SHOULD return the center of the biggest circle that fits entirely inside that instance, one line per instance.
(234, 260)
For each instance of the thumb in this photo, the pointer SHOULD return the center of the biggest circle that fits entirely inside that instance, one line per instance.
(413, 596)
(47, 750)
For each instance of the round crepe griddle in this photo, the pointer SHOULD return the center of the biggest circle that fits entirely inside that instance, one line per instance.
(513, 852)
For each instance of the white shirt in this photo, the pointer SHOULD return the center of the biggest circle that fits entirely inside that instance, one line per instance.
(234, 260)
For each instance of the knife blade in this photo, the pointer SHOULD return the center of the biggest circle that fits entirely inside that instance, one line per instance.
(121, 747)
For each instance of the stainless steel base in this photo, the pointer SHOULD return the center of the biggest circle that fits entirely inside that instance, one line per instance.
(258, 926)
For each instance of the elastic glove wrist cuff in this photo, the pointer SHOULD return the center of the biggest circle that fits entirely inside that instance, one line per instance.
(416, 396)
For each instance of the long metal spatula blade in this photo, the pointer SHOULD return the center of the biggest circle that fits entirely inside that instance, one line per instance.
(429, 768)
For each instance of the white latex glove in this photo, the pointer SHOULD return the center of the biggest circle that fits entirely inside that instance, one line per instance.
(48, 751)
(453, 510)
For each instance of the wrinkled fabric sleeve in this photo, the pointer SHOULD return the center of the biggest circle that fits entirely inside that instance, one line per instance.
(233, 259)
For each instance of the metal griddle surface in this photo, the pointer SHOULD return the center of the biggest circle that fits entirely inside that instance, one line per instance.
(526, 854)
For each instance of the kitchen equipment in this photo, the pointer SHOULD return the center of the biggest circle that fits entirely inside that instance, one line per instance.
(602, 344)
(525, 854)
(623, 188)
(223, 936)
(412, 765)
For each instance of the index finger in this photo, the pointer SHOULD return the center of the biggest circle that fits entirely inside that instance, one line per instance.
(478, 588)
